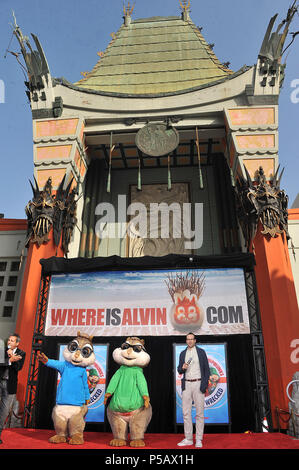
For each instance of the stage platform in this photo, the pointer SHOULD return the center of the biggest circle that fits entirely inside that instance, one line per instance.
(32, 439)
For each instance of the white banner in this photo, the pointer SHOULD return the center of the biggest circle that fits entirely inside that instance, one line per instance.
(148, 303)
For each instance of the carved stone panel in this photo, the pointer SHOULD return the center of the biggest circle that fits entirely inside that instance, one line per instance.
(158, 228)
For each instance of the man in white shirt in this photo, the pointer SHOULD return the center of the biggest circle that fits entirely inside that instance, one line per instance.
(194, 365)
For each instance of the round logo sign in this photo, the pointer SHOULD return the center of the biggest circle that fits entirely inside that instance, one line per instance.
(157, 139)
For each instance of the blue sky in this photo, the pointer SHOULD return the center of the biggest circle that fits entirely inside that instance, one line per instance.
(72, 32)
(120, 286)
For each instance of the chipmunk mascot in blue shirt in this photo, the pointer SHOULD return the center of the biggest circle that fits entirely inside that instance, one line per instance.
(73, 393)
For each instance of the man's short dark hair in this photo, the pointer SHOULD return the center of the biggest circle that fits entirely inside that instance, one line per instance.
(18, 339)
(191, 334)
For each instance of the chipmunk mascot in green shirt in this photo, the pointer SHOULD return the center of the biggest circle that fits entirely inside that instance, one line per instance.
(129, 406)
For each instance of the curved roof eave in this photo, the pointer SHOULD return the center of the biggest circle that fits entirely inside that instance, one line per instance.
(64, 82)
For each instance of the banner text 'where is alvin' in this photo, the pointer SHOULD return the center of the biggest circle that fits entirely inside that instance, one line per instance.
(119, 303)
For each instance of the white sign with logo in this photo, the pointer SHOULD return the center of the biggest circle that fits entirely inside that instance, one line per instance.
(148, 303)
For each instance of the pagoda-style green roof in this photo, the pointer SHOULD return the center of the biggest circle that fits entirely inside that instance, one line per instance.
(154, 56)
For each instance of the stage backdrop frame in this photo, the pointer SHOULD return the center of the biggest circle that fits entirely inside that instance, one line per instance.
(242, 260)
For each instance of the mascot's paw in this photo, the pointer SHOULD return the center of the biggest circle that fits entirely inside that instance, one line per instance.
(146, 401)
(107, 395)
(117, 443)
(76, 439)
(57, 439)
(137, 443)
(42, 357)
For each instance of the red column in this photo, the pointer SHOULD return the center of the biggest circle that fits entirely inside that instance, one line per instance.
(279, 313)
(28, 304)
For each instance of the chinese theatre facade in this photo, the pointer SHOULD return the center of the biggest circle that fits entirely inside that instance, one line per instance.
(157, 186)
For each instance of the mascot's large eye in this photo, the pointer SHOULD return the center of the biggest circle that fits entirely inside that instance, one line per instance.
(136, 347)
(72, 346)
(86, 351)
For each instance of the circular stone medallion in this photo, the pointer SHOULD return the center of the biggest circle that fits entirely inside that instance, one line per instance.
(157, 139)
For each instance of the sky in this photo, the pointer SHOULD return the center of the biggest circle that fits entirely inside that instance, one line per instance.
(71, 33)
(129, 286)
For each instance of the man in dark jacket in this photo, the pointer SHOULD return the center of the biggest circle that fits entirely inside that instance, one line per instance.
(13, 363)
(194, 365)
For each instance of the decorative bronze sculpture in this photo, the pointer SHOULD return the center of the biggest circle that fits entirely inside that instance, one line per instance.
(70, 219)
(261, 201)
(272, 49)
(40, 213)
(46, 211)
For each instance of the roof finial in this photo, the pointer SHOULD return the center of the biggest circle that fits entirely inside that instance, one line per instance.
(128, 12)
(185, 6)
